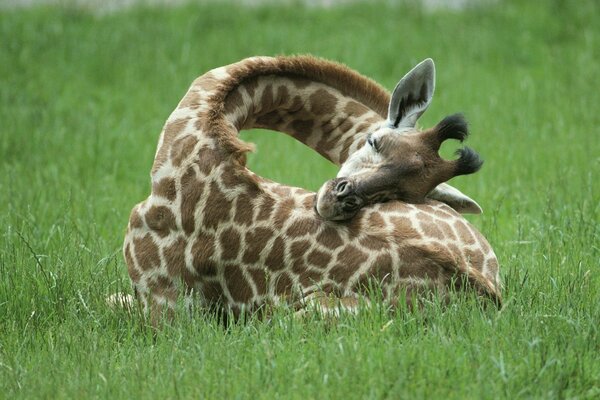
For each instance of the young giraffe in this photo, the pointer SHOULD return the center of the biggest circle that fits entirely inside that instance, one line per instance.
(238, 241)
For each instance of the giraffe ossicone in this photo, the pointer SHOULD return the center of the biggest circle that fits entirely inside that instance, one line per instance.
(229, 239)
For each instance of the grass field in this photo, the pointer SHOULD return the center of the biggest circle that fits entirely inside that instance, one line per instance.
(83, 99)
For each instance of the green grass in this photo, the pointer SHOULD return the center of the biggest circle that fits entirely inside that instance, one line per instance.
(83, 99)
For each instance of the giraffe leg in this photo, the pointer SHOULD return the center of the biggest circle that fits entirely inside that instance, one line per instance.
(158, 299)
(329, 305)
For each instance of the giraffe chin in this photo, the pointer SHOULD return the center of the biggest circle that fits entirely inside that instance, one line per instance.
(329, 206)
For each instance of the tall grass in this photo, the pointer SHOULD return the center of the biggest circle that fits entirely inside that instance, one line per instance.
(83, 98)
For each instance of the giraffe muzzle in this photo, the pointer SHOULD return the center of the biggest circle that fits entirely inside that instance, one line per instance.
(337, 200)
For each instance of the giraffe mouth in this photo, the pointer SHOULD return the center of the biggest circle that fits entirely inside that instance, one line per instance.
(337, 200)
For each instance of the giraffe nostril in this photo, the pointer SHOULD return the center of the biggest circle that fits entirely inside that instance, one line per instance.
(342, 189)
(350, 204)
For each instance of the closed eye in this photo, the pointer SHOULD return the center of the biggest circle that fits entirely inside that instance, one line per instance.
(373, 143)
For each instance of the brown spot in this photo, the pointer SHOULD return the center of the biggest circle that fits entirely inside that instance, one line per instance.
(330, 238)
(256, 240)
(233, 101)
(355, 226)
(309, 278)
(322, 102)
(270, 120)
(457, 253)
(284, 284)
(302, 226)
(165, 188)
(309, 202)
(302, 129)
(208, 160)
(375, 219)
(230, 244)
(446, 229)
(382, 267)
(250, 86)
(175, 257)
(345, 126)
(217, 208)
(299, 248)
(182, 148)
(163, 286)
(418, 262)
(243, 210)
(202, 122)
(135, 220)
(475, 258)
(318, 258)
(351, 257)
(346, 149)
(283, 212)
(330, 137)
(259, 276)
(133, 272)
(355, 109)
(202, 250)
(373, 119)
(191, 192)
(146, 252)
(161, 220)
(283, 95)
(341, 273)
(207, 82)
(191, 100)
(299, 266)
(403, 228)
(265, 209)
(463, 232)
(175, 127)
(492, 265)
(362, 128)
(236, 283)
(431, 230)
(374, 242)
(230, 178)
(212, 291)
(275, 258)
(297, 108)
(171, 131)
(266, 102)
(425, 217)
(282, 191)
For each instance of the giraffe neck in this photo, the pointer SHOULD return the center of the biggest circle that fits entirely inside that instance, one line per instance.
(324, 105)
(313, 113)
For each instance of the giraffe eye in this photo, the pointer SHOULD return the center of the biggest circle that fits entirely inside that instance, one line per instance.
(373, 143)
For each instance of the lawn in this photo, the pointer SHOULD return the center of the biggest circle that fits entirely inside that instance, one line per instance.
(82, 101)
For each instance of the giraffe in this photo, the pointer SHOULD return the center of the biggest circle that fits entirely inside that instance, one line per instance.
(229, 239)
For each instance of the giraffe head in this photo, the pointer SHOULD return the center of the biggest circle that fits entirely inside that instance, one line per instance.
(397, 160)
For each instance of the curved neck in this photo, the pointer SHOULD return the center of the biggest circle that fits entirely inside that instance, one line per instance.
(324, 105)
(317, 115)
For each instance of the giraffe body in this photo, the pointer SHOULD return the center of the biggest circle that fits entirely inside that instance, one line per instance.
(219, 233)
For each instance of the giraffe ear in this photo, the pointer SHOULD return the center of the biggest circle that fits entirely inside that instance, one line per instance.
(412, 95)
(455, 199)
